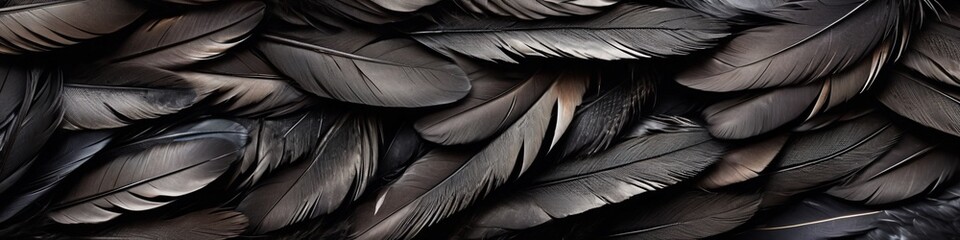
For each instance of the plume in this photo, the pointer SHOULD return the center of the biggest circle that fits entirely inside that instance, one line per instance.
(536, 9)
(40, 26)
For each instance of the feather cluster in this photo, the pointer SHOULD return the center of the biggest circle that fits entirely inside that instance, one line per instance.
(479, 119)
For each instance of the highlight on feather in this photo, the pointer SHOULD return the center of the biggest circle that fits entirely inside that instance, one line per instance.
(744, 162)
(536, 9)
(627, 31)
(150, 172)
(40, 26)
(197, 35)
(201, 224)
(692, 214)
(31, 111)
(632, 167)
(820, 217)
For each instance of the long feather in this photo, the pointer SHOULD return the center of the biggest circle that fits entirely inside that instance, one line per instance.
(498, 97)
(119, 95)
(359, 68)
(536, 9)
(732, 10)
(912, 167)
(929, 103)
(628, 31)
(66, 155)
(202, 224)
(31, 110)
(750, 116)
(814, 159)
(630, 168)
(690, 215)
(148, 173)
(245, 85)
(447, 180)
(744, 163)
(198, 35)
(800, 51)
(39, 26)
(933, 218)
(816, 218)
(334, 174)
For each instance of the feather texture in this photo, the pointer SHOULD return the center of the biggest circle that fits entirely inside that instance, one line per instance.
(30, 112)
(633, 167)
(935, 51)
(148, 173)
(67, 154)
(750, 116)
(767, 56)
(730, 9)
(816, 218)
(933, 218)
(628, 31)
(447, 180)
(690, 215)
(930, 104)
(198, 35)
(813, 159)
(536, 9)
(119, 95)
(744, 163)
(497, 98)
(335, 173)
(912, 167)
(39, 26)
(358, 68)
(202, 224)
(243, 84)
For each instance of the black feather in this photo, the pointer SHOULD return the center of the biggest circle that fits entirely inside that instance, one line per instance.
(690, 215)
(536, 9)
(929, 103)
(39, 26)
(31, 111)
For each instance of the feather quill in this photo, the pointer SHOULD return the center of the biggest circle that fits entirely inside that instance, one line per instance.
(690, 215)
(202, 224)
(929, 103)
(40, 26)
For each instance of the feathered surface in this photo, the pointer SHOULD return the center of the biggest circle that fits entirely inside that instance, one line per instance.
(70, 152)
(728, 119)
(929, 103)
(148, 173)
(118, 95)
(40, 26)
(933, 218)
(197, 35)
(536, 9)
(913, 166)
(744, 162)
(816, 218)
(628, 31)
(242, 83)
(812, 159)
(693, 215)
(801, 50)
(935, 51)
(335, 172)
(202, 224)
(496, 100)
(359, 67)
(730, 9)
(447, 180)
(630, 168)
(30, 113)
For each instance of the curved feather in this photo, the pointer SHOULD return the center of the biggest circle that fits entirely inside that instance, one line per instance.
(497, 98)
(813, 159)
(351, 67)
(447, 180)
(931, 218)
(602, 118)
(30, 113)
(628, 31)
(730, 9)
(536, 9)
(40, 26)
(198, 35)
(816, 218)
(935, 51)
(119, 95)
(192, 2)
(245, 85)
(630, 168)
(277, 142)
(65, 155)
(149, 173)
(690, 215)
(403, 5)
(403, 148)
(335, 172)
(931, 104)
(800, 51)
(744, 163)
(912, 167)
(750, 116)
(202, 224)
